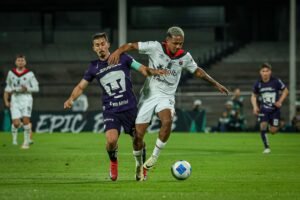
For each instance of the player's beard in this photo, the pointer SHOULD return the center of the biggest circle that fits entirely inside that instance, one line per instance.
(101, 54)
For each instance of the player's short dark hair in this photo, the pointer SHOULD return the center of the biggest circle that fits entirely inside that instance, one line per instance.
(100, 35)
(20, 55)
(266, 65)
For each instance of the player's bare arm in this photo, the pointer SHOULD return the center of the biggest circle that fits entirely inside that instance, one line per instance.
(77, 91)
(254, 104)
(147, 71)
(115, 56)
(200, 73)
(283, 96)
(6, 97)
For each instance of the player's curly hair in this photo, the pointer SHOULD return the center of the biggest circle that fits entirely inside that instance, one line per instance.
(175, 31)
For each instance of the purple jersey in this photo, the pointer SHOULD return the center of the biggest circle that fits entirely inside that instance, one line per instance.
(268, 93)
(115, 81)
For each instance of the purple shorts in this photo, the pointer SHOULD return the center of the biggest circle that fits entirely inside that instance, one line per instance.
(273, 118)
(125, 119)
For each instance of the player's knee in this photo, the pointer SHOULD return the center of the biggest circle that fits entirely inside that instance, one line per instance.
(111, 141)
(273, 130)
(263, 126)
(16, 124)
(166, 124)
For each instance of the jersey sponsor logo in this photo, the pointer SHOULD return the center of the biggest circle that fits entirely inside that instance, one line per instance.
(108, 120)
(266, 89)
(107, 68)
(158, 78)
(120, 103)
(168, 68)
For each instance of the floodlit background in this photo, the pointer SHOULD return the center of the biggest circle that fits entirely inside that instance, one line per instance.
(230, 39)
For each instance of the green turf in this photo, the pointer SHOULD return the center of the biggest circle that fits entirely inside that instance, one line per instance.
(224, 166)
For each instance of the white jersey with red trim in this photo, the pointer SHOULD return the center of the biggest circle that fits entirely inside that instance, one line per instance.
(14, 82)
(159, 59)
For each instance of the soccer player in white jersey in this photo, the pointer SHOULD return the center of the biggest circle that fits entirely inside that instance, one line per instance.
(20, 83)
(158, 93)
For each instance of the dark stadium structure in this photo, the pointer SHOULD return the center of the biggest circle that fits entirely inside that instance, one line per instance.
(228, 38)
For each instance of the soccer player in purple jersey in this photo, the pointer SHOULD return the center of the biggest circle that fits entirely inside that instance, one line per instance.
(119, 101)
(272, 92)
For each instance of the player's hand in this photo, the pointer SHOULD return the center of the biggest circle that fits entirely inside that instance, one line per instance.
(222, 89)
(278, 104)
(160, 72)
(256, 111)
(7, 104)
(68, 104)
(23, 88)
(114, 58)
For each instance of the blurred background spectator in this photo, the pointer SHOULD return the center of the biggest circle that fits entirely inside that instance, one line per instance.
(81, 104)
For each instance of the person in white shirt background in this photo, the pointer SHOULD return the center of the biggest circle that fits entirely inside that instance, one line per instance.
(20, 84)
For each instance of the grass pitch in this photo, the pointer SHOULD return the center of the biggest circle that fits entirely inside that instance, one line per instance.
(224, 166)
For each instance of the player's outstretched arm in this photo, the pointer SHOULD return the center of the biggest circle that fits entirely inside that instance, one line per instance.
(200, 73)
(147, 71)
(77, 91)
(115, 56)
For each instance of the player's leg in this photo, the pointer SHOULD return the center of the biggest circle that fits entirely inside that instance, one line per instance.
(16, 122)
(139, 150)
(14, 130)
(145, 113)
(273, 129)
(26, 126)
(165, 111)
(274, 122)
(30, 134)
(26, 109)
(112, 136)
(112, 130)
(127, 120)
(263, 119)
(264, 137)
(165, 117)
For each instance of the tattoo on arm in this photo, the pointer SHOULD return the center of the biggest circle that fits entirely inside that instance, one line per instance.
(210, 79)
(203, 75)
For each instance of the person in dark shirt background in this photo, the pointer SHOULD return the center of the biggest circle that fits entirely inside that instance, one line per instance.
(272, 92)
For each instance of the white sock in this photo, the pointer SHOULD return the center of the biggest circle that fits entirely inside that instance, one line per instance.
(26, 133)
(158, 147)
(138, 157)
(14, 132)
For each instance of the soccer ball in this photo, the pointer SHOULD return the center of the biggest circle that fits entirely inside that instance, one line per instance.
(181, 170)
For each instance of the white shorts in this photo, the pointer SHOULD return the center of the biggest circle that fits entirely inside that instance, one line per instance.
(20, 110)
(153, 105)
